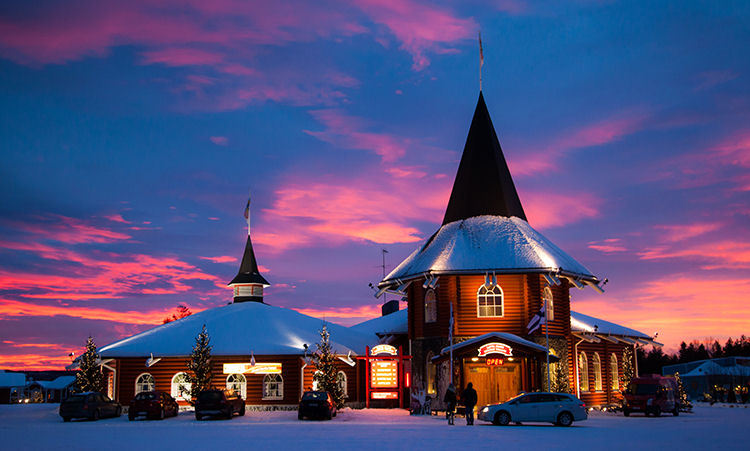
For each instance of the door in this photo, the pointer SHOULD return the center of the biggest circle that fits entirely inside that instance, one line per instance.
(481, 378)
(507, 381)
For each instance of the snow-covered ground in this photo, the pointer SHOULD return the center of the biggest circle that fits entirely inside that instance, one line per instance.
(39, 427)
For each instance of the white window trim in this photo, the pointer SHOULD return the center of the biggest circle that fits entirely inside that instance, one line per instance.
(583, 371)
(614, 370)
(315, 383)
(153, 383)
(501, 295)
(434, 306)
(243, 384)
(174, 390)
(281, 388)
(598, 380)
(346, 382)
(549, 297)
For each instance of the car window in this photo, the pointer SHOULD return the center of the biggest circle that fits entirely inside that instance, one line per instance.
(528, 399)
(315, 395)
(563, 398)
(546, 398)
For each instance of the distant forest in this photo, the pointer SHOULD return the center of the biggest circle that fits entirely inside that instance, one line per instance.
(652, 361)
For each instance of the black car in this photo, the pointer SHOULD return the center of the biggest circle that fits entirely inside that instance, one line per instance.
(218, 403)
(153, 405)
(91, 405)
(316, 404)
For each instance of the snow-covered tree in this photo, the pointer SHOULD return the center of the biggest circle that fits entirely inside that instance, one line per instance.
(199, 366)
(628, 372)
(324, 359)
(89, 375)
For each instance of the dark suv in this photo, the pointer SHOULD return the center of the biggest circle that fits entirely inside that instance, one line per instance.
(152, 404)
(218, 403)
(91, 405)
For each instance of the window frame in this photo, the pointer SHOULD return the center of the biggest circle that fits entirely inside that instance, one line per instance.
(279, 395)
(175, 392)
(491, 293)
(548, 297)
(583, 371)
(614, 370)
(430, 314)
(137, 383)
(598, 379)
(344, 387)
(242, 384)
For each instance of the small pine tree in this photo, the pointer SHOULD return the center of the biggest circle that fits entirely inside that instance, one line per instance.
(685, 404)
(324, 360)
(560, 382)
(199, 366)
(628, 372)
(89, 375)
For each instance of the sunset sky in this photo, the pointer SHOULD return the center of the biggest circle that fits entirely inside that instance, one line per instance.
(132, 131)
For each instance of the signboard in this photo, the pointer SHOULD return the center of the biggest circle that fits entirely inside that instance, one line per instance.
(249, 368)
(494, 361)
(384, 395)
(495, 348)
(383, 349)
(384, 374)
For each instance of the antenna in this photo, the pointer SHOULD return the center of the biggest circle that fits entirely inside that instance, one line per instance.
(481, 60)
(385, 295)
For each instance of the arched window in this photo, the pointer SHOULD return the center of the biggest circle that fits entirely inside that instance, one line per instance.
(144, 382)
(180, 388)
(273, 386)
(549, 301)
(583, 371)
(237, 383)
(430, 306)
(431, 375)
(316, 382)
(613, 370)
(597, 372)
(341, 382)
(490, 301)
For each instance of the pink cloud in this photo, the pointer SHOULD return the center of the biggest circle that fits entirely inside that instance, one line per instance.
(555, 209)
(347, 316)
(221, 259)
(714, 255)
(736, 149)
(608, 246)
(117, 218)
(70, 230)
(181, 56)
(709, 79)
(679, 232)
(219, 140)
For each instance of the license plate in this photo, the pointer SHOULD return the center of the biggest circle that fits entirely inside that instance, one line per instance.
(313, 404)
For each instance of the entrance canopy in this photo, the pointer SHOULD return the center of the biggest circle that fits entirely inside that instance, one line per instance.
(495, 342)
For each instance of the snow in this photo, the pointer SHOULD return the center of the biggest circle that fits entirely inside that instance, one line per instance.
(488, 243)
(239, 329)
(499, 335)
(57, 384)
(40, 427)
(584, 323)
(710, 368)
(9, 380)
(395, 323)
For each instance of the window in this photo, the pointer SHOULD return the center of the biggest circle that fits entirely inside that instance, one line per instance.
(431, 375)
(180, 389)
(583, 372)
(614, 372)
(549, 303)
(430, 306)
(597, 372)
(273, 386)
(144, 382)
(237, 383)
(316, 384)
(489, 301)
(341, 382)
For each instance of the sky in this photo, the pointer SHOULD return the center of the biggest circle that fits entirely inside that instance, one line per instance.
(132, 132)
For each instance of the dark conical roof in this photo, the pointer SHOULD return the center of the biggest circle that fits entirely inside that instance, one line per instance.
(483, 184)
(249, 272)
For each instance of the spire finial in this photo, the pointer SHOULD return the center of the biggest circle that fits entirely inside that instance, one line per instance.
(247, 213)
(481, 60)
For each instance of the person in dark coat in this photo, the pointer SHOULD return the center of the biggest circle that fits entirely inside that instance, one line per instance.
(450, 403)
(469, 398)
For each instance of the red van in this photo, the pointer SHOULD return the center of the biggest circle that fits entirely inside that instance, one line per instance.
(651, 394)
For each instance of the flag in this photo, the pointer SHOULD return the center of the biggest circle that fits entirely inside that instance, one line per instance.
(481, 53)
(247, 208)
(538, 319)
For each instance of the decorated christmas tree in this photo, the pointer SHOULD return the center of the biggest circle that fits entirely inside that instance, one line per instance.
(199, 366)
(324, 360)
(627, 368)
(560, 382)
(685, 404)
(89, 375)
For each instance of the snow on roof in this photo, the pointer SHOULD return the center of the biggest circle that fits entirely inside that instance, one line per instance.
(710, 368)
(488, 243)
(239, 329)
(500, 335)
(395, 323)
(59, 383)
(584, 323)
(8, 380)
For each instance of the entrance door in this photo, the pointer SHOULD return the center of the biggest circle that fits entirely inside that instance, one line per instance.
(507, 381)
(494, 384)
(481, 377)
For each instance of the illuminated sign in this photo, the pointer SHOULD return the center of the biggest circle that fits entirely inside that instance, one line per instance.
(384, 349)
(249, 368)
(384, 395)
(494, 361)
(384, 374)
(495, 348)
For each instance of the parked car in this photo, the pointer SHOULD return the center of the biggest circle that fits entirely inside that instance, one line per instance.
(557, 408)
(651, 395)
(91, 405)
(316, 404)
(218, 403)
(152, 405)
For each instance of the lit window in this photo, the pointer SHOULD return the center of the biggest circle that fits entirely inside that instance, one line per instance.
(614, 371)
(597, 372)
(490, 301)
(317, 376)
(549, 302)
(341, 382)
(273, 387)
(431, 375)
(180, 388)
(144, 382)
(583, 371)
(238, 384)
(430, 306)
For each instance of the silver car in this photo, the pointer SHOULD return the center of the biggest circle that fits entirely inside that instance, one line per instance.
(557, 408)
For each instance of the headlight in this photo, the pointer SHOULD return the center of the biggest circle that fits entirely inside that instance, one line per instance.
(486, 409)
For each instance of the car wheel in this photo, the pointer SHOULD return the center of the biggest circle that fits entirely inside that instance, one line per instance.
(242, 410)
(162, 414)
(502, 418)
(676, 411)
(329, 415)
(198, 417)
(118, 412)
(95, 416)
(626, 412)
(300, 416)
(66, 419)
(131, 417)
(657, 411)
(565, 419)
(230, 413)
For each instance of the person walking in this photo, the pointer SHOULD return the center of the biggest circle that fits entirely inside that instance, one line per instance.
(469, 398)
(450, 402)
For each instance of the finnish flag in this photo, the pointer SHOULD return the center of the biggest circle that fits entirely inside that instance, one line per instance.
(538, 319)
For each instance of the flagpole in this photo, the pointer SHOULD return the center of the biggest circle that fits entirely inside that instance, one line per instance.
(546, 332)
(481, 60)
(450, 334)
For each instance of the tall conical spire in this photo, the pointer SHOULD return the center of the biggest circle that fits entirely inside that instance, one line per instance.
(483, 184)
(248, 283)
